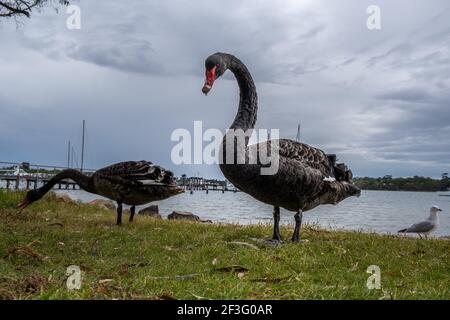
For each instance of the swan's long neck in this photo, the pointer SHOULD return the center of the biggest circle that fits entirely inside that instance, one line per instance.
(248, 102)
(82, 180)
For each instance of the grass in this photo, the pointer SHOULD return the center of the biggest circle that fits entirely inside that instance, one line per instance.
(161, 259)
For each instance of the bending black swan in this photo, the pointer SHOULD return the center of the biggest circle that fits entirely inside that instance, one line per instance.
(132, 183)
(306, 177)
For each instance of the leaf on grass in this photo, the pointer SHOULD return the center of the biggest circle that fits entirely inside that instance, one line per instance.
(232, 268)
(103, 290)
(199, 297)
(56, 224)
(105, 281)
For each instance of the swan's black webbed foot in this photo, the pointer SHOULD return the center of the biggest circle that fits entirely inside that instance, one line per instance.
(298, 223)
(132, 211)
(273, 241)
(119, 213)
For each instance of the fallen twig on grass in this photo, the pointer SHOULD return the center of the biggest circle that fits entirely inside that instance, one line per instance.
(26, 250)
(176, 277)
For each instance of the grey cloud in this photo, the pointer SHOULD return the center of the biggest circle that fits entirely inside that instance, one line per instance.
(133, 56)
(311, 33)
(400, 50)
(408, 95)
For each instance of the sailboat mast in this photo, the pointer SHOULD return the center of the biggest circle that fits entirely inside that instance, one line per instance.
(297, 138)
(82, 147)
(68, 155)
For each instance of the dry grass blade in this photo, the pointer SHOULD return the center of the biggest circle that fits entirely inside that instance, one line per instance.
(176, 277)
(246, 244)
(23, 250)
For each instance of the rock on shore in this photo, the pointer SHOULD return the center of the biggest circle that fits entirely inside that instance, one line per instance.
(151, 211)
(183, 215)
(105, 204)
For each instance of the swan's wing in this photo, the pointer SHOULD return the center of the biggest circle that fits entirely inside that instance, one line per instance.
(316, 159)
(424, 226)
(307, 155)
(137, 172)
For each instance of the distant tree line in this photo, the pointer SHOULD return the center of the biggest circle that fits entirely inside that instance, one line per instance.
(415, 183)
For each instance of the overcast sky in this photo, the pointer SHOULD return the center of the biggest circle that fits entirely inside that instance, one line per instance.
(379, 99)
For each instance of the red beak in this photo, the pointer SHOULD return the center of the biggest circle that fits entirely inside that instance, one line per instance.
(23, 204)
(209, 81)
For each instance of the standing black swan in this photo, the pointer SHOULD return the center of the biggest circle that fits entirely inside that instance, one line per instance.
(132, 183)
(306, 176)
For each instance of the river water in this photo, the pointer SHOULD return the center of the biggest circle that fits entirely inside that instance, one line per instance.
(373, 211)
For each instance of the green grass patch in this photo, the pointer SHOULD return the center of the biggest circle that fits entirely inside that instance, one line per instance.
(161, 259)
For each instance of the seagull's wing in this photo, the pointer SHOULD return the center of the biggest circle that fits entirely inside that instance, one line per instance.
(424, 226)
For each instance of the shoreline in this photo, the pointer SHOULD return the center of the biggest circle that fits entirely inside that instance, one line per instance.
(312, 218)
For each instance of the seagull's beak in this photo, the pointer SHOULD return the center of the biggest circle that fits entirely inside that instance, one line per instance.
(439, 209)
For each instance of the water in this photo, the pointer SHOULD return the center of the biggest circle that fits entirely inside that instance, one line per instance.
(373, 211)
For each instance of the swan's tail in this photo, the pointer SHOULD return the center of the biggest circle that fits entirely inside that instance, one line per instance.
(341, 171)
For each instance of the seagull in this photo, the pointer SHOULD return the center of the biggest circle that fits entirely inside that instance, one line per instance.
(427, 226)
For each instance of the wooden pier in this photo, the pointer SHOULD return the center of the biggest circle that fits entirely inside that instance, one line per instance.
(33, 182)
(27, 176)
